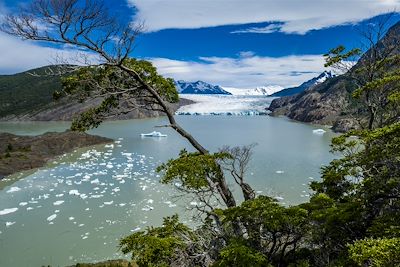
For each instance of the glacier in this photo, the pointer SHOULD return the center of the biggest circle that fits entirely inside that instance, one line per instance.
(235, 105)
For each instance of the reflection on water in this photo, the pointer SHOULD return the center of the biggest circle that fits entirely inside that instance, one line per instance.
(81, 204)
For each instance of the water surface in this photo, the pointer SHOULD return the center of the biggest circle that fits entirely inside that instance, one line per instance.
(79, 206)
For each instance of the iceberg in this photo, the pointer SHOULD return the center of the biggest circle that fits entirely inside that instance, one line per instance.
(153, 134)
(319, 131)
(7, 211)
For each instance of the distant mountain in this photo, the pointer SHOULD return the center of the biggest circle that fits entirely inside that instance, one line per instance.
(27, 97)
(258, 91)
(23, 92)
(331, 102)
(199, 87)
(304, 86)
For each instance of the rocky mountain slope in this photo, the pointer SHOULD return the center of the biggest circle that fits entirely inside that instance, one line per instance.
(329, 102)
(298, 89)
(27, 97)
(199, 87)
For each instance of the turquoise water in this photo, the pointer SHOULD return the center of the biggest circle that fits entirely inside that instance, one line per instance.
(79, 206)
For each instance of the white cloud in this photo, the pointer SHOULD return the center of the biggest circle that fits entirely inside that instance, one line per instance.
(244, 72)
(297, 16)
(18, 55)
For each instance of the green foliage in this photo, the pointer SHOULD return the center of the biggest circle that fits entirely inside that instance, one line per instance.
(240, 255)
(192, 169)
(93, 117)
(164, 86)
(157, 246)
(118, 87)
(381, 252)
(339, 54)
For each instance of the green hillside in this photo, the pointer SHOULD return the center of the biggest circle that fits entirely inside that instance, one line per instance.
(23, 92)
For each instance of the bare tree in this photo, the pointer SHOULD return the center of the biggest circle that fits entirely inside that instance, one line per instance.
(124, 83)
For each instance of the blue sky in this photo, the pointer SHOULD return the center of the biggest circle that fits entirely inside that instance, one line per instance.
(233, 43)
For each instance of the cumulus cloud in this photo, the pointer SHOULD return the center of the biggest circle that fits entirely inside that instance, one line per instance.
(295, 16)
(18, 55)
(246, 71)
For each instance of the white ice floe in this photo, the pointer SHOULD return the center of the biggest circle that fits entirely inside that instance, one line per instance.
(8, 224)
(319, 131)
(193, 203)
(147, 208)
(74, 192)
(108, 203)
(58, 203)
(150, 201)
(13, 189)
(280, 172)
(51, 217)
(8, 211)
(122, 204)
(71, 218)
(95, 181)
(23, 204)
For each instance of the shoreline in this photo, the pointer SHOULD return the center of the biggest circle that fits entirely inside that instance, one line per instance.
(23, 153)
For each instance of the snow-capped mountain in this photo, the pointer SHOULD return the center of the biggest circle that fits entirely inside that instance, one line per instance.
(304, 86)
(199, 87)
(258, 91)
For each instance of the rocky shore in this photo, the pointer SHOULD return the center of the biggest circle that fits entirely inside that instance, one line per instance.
(19, 153)
(68, 109)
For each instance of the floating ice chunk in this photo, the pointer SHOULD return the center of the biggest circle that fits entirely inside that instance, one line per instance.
(13, 189)
(279, 198)
(108, 203)
(122, 181)
(83, 196)
(51, 217)
(23, 204)
(74, 192)
(109, 166)
(109, 146)
(150, 201)
(96, 196)
(58, 203)
(147, 208)
(57, 211)
(29, 208)
(71, 218)
(8, 224)
(95, 181)
(280, 172)
(311, 178)
(136, 229)
(193, 203)
(122, 204)
(116, 189)
(144, 187)
(8, 211)
(319, 131)
(60, 195)
(82, 224)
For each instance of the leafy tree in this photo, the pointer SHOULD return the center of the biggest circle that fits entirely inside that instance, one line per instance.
(379, 252)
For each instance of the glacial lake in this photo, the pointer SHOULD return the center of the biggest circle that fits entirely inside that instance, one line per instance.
(78, 207)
